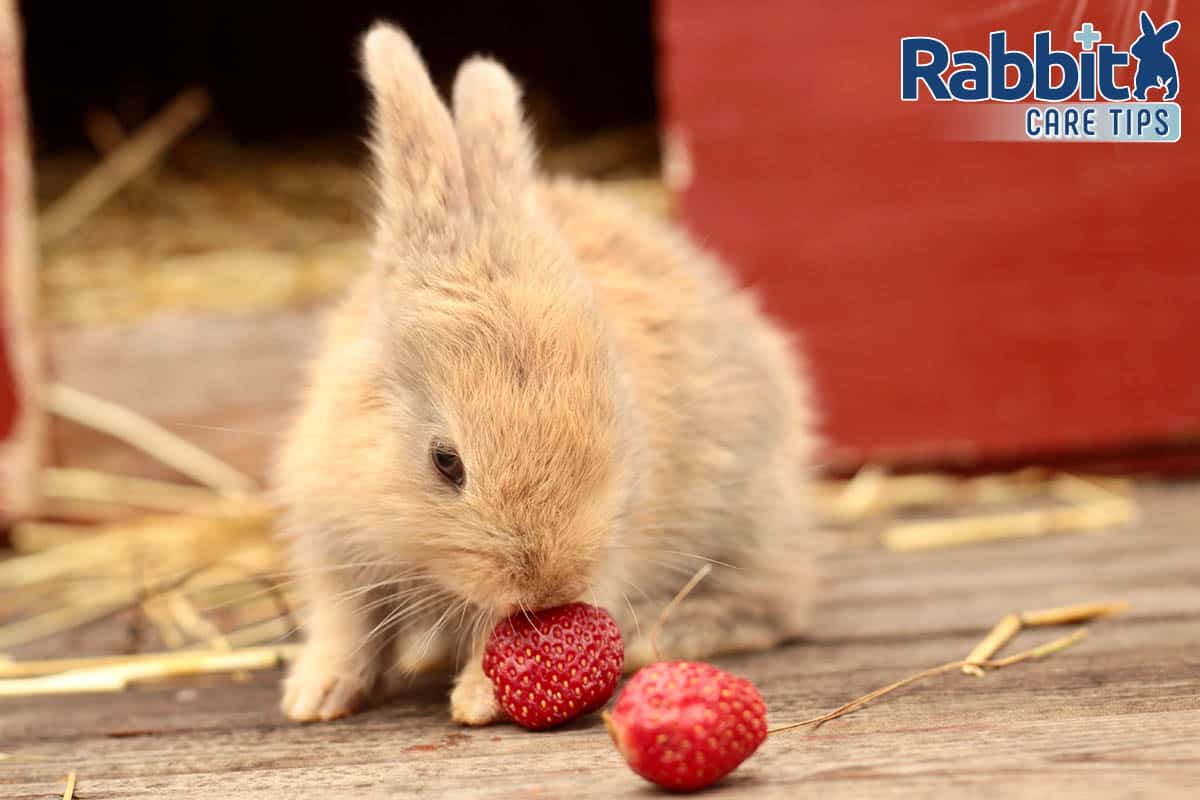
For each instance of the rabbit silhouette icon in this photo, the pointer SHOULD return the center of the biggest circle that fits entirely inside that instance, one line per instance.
(1155, 66)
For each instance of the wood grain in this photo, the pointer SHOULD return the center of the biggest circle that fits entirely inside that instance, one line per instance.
(1117, 716)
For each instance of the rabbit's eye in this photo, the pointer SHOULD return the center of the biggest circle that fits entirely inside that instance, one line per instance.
(447, 463)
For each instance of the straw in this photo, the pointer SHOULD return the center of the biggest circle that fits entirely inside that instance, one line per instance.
(1041, 651)
(123, 164)
(1016, 525)
(149, 437)
(114, 676)
(700, 575)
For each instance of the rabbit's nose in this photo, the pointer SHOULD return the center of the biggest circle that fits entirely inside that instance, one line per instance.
(555, 593)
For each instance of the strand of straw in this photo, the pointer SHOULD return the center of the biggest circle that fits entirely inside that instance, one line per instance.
(122, 165)
(1035, 653)
(149, 437)
(671, 606)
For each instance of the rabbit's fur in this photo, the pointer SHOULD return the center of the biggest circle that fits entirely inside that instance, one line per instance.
(623, 411)
(1156, 67)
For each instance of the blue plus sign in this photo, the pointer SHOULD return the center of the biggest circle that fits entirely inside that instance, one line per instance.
(1087, 36)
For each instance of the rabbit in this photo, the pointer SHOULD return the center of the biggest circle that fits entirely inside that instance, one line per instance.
(1156, 67)
(535, 394)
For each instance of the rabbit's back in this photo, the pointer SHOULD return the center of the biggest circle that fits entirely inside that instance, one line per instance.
(725, 409)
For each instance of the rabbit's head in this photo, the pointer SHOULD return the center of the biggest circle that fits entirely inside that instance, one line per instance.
(1152, 43)
(509, 440)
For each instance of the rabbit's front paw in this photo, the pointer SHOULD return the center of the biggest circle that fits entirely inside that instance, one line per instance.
(321, 688)
(473, 701)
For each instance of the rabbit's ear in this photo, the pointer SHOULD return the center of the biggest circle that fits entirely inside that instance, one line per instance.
(1168, 32)
(420, 173)
(1148, 28)
(496, 147)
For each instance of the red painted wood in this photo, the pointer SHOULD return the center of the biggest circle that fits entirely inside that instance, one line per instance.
(9, 117)
(958, 300)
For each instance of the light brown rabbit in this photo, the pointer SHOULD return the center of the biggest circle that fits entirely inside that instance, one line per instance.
(535, 394)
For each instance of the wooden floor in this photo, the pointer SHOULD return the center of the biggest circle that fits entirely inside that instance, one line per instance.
(1117, 716)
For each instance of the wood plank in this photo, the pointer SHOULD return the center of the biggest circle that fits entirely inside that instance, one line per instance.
(1112, 753)
(798, 681)
(1117, 715)
(21, 419)
(958, 301)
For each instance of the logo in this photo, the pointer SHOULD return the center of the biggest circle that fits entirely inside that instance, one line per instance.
(1100, 94)
(1155, 65)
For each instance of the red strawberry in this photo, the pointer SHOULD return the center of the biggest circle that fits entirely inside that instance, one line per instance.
(554, 665)
(685, 725)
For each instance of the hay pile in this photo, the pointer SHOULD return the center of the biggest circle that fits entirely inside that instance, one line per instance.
(229, 229)
(203, 571)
